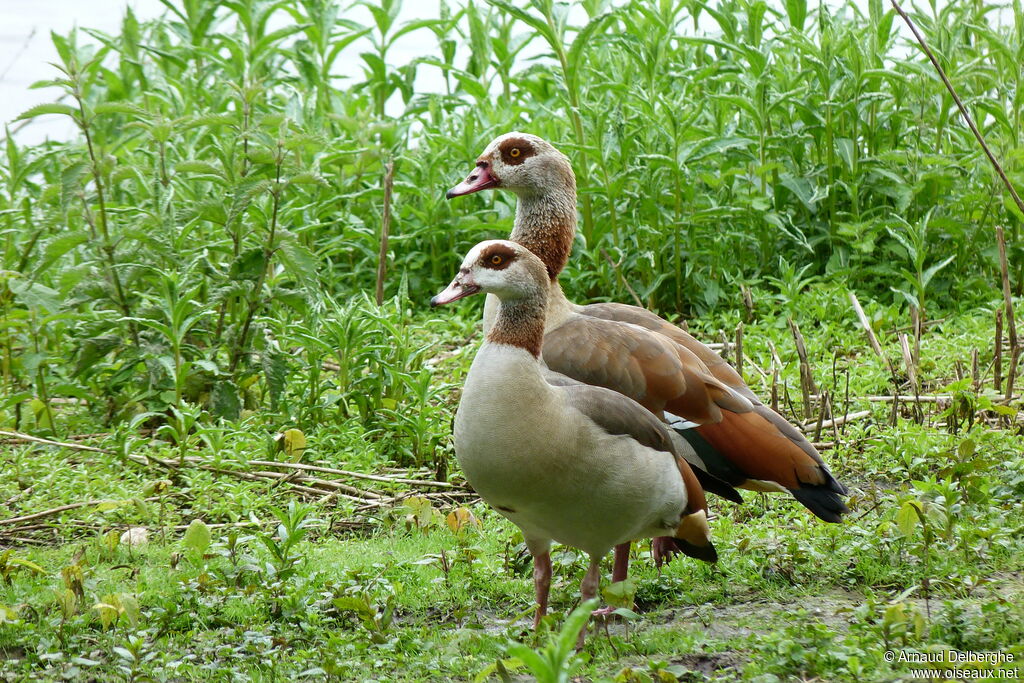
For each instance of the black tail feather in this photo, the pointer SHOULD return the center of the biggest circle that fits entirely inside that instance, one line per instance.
(826, 503)
(715, 485)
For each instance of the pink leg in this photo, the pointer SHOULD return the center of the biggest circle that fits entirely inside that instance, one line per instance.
(588, 590)
(621, 562)
(541, 585)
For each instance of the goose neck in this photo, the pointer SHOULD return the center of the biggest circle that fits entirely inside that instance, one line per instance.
(546, 225)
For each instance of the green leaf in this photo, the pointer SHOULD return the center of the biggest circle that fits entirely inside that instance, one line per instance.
(620, 593)
(197, 537)
(906, 519)
(94, 348)
(70, 183)
(805, 191)
(120, 108)
(201, 167)
(275, 370)
(796, 12)
(928, 274)
(249, 265)
(27, 564)
(224, 400)
(50, 108)
(583, 38)
(299, 262)
(129, 607)
(57, 247)
(293, 443)
(536, 23)
(533, 661)
(35, 296)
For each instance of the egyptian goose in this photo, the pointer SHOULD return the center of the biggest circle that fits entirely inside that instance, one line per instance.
(564, 461)
(737, 439)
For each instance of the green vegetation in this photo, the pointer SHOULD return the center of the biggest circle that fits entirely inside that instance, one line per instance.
(187, 289)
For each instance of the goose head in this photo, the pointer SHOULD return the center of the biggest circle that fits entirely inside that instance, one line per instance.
(499, 267)
(520, 162)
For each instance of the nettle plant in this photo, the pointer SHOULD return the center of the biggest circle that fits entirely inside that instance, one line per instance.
(226, 183)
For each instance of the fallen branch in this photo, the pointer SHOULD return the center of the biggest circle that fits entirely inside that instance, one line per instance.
(9, 539)
(391, 502)
(19, 495)
(828, 424)
(57, 510)
(253, 476)
(355, 475)
(28, 438)
(905, 398)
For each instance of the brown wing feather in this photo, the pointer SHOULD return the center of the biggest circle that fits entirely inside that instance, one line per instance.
(644, 318)
(761, 443)
(640, 364)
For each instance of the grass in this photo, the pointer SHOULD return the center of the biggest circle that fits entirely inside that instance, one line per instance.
(404, 597)
(189, 282)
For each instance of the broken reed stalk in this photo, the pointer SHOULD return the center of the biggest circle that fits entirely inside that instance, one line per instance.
(924, 324)
(997, 355)
(823, 404)
(915, 324)
(776, 366)
(625, 283)
(18, 437)
(385, 230)
(908, 361)
(872, 339)
(724, 353)
(975, 371)
(775, 389)
(1011, 324)
(748, 303)
(960, 106)
(739, 349)
(807, 387)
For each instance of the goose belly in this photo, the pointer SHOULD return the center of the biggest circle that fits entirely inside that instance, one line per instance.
(566, 480)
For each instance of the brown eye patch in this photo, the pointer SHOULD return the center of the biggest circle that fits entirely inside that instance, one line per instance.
(497, 257)
(515, 151)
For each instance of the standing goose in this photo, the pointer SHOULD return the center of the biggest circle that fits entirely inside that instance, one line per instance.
(564, 461)
(737, 439)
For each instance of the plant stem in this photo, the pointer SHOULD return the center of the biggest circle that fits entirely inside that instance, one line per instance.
(107, 247)
(268, 253)
(577, 121)
(385, 229)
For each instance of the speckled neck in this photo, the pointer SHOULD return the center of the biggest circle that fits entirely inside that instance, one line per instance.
(546, 225)
(521, 323)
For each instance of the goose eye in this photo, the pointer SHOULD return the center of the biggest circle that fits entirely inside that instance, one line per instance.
(514, 152)
(496, 260)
